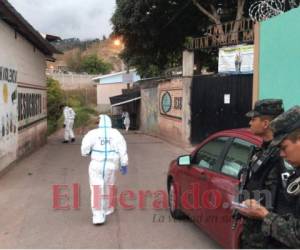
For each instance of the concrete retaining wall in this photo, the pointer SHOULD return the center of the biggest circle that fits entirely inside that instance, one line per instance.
(73, 81)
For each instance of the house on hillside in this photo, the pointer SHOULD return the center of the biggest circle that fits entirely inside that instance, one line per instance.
(112, 85)
(23, 90)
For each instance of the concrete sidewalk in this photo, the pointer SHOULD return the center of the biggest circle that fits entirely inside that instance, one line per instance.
(28, 220)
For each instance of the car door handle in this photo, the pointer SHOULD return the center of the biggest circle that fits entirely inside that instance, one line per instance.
(203, 177)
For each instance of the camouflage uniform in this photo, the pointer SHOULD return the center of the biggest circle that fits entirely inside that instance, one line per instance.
(266, 178)
(283, 226)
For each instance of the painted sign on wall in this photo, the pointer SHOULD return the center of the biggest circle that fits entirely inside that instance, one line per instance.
(171, 103)
(31, 106)
(236, 59)
(213, 37)
(8, 111)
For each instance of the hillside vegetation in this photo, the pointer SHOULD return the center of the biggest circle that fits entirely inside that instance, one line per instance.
(86, 115)
(75, 51)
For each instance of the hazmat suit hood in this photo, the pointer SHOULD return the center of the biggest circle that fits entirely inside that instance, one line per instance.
(105, 121)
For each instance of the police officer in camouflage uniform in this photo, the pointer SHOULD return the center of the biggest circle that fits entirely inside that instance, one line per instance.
(283, 224)
(263, 179)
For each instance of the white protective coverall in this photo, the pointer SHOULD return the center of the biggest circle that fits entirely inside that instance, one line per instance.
(108, 150)
(126, 120)
(69, 117)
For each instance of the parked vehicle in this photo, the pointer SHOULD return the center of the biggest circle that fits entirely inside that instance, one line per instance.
(203, 185)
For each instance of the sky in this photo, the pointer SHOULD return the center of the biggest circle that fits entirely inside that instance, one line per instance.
(83, 19)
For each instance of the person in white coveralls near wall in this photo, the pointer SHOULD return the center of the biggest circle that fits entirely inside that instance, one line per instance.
(108, 150)
(69, 117)
(126, 120)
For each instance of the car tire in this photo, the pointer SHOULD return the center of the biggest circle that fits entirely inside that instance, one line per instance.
(173, 199)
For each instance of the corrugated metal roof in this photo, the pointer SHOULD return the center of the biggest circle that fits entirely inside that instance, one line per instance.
(128, 97)
(127, 101)
(113, 74)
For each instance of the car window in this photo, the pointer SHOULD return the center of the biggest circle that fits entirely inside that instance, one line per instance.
(208, 155)
(237, 157)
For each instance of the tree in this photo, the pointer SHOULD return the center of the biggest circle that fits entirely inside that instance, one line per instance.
(154, 31)
(55, 101)
(91, 64)
(213, 10)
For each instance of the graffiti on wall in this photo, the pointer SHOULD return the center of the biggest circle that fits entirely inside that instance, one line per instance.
(8, 111)
(31, 106)
(171, 103)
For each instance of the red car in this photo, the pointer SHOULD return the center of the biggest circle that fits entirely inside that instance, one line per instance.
(203, 185)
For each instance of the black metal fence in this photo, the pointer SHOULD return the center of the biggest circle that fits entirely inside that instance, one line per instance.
(219, 102)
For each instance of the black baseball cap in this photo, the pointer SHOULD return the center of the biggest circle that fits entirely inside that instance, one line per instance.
(285, 124)
(272, 107)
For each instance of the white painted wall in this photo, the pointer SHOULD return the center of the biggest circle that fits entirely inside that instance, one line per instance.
(19, 54)
(104, 91)
(73, 81)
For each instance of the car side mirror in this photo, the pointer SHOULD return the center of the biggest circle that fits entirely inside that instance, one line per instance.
(184, 160)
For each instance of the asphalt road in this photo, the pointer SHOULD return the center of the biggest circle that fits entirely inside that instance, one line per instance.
(28, 220)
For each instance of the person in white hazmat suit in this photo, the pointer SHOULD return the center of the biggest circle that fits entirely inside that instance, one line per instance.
(126, 121)
(69, 117)
(108, 150)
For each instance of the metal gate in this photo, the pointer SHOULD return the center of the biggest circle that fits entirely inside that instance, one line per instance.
(218, 103)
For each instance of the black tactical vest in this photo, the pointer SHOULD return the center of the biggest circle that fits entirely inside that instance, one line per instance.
(257, 180)
(256, 183)
(288, 204)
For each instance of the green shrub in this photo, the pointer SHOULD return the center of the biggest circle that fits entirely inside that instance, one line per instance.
(92, 64)
(74, 101)
(55, 99)
(52, 126)
(83, 116)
